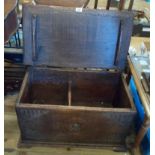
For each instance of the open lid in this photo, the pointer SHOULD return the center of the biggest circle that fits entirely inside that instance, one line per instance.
(66, 38)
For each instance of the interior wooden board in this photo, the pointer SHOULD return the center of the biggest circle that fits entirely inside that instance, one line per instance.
(88, 88)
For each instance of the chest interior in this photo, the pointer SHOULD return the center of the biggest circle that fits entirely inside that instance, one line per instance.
(76, 88)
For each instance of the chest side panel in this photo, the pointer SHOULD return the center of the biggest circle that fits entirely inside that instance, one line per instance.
(63, 126)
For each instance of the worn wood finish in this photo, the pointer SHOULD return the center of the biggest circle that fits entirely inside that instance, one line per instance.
(123, 95)
(70, 121)
(72, 96)
(65, 3)
(74, 125)
(67, 45)
(24, 88)
(12, 135)
(85, 86)
(10, 19)
(88, 87)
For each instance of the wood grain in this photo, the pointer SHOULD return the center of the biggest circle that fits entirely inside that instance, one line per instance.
(68, 45)
(75, 78)
(12, 135)
(72, 124)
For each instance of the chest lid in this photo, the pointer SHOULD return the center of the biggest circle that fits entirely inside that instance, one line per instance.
(65, 38)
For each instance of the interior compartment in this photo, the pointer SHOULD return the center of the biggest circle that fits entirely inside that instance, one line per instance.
(76, 88)
(45, 87)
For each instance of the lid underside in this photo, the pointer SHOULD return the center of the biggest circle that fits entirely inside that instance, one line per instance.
(66, 38)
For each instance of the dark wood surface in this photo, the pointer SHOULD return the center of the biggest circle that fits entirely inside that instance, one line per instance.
(81, 40)
(92, 118)
(63, 125)
(12, 134)
(77, 102)
(10, 18)
(65, 3)
(87, 88)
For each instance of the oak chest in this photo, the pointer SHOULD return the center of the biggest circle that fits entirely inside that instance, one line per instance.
(74, 92)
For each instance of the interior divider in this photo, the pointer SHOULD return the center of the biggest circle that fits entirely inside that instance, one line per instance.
(69, 93)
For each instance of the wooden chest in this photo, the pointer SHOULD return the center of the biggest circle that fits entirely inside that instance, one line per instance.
(74, 92)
